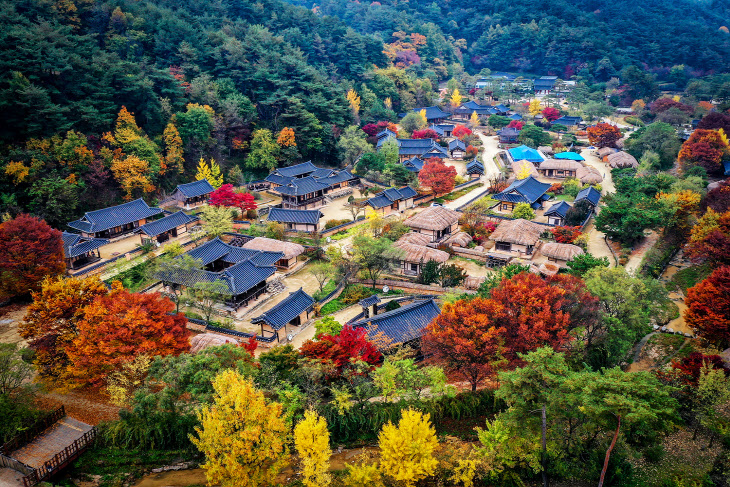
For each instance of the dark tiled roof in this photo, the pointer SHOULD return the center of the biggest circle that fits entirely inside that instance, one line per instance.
(508, 132)
(75, 245)
(369, 301)
(515, 116)
(217, 249)
(385, 133)
(297, 170)
(456, 144)
(340, 177)
(403, 324)
(560, 209)
(322, 172)
(433, 112)
(196, 188)
(472, 105)
(501, 108)
(389, 196)
(301, 186)
(528, 190)
(294, 216)
(278, 179)
(382, 140)
(167, 223)
(379, 201)
(568, 121)
(591, 194)
(474, 167)
(413, 164)
(114, 216)
(285, 311)
(436, 151)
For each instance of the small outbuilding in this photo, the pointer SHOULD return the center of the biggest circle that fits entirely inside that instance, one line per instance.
(400, 326)
(519, 238)
(560, 253)
(434, 221)
(192, 195)
(164, 229)
(559, 168)
(556, 214)
(290, 250)
(80, 251)
(296, 220)
(622, 159)
(293, 311)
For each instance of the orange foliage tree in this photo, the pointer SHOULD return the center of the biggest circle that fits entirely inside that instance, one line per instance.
(120, 326)
(51, 322)
(437, 176)
(708, 307)
(461, 131)
(710, 239)
(30, 250)
(286, 137)
(704, 148)
(603, 135)
(133, 174)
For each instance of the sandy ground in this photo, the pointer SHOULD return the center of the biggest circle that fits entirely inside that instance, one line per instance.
(120, 247)
(10, 317)
(336, 210)
(490, 169)
(460, 166)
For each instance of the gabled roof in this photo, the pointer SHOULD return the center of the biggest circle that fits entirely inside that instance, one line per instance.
(196, 188)
(501, 108)
(390, 196)
(369, 301)
(474, 167)
(322, 172)
(573, 156)
(558, 209)
(414, 164)
(472, 105)
(515, 116)
(456, 144)
(383, 140)
(433, 218)
(217, 249)
(591, 194)
(165, 224)
(297, 169)
(433, 112)
(528, 190)
(400, 325)
(302, 186)
(114, 216)
(385, 133)
(286, 310)
(336, 178)
(568, 121)
(283, 215)
(508, 132)
(526, 153)
(278, 179)
(75, 245)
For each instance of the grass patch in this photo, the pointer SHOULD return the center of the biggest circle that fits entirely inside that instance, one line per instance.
(136, 277)
(333, 307)
(687, 278)
(345, 233)
(458, 194)
(564, 197)
(328, 288)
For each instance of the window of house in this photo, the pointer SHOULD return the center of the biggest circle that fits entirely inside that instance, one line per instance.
(414, 267)
(506, 246)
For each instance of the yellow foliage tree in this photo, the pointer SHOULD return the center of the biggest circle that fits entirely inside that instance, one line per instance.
(174, 145)
(456, 98)
(286, 137)
(363, 475)
(424, 120)
(407, 450)
(354, 99)
(126, 129)
(211, 172)
(709, 222)
(523, 170)
(18, 171)
(535, 107)
(312, 441)
(132, 173)
(388, 103)
(242, 436)
(474, 119)
(122, 384)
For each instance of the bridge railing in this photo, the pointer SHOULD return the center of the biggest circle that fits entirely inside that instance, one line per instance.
(34, 430)
(61, 460)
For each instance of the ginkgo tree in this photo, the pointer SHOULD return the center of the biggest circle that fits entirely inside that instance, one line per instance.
(210, 171)
(312, 441)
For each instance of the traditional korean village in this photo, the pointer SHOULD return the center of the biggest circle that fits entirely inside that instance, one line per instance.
(349, 244)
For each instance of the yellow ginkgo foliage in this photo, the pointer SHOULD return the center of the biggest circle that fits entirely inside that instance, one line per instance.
(354, 100)
(523, 170)
(18, 171)
(242, 436)
(211, 172)
(535, 107)
(312, 441)
(132, 173)
(388, 103)
(474, 119)
(407, 450)
(456, 98)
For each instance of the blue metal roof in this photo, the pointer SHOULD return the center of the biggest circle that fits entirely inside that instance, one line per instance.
(196, 188)
(528, 190)
(283, 215)
(114, 216)
(403, 324)
(167, 223)
(591, 194)
(301, 186)
(526, 153)
(285, 311)
(75, 245)
(474, 167)
(297, 169)
(369, 301)
(433, 112)
(560, 209)
(571, 156)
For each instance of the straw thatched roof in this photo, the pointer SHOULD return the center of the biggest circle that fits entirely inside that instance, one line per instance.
(560, 251)
(620, 142)
(546, 149)
(517, 167)
(622, 159)
(415, 238)
(473, 282)
(433, 218)
(289, 249)
(549, 269)
(420, 253)
(520, 232)
(459, 239)
(205, 340)
(560, 164)
(589, 175)
(605, 151)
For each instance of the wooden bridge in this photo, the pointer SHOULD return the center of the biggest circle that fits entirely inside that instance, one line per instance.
(47, 447)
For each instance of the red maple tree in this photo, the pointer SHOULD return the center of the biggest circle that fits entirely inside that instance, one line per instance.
(718, 198)
(566, 235)
(551, 114)
(342, 349)
(704, 148)
(225, 196)
(691, 366)
(708, 307)
(461, 131)
(663, 104)
(603, 135)
(425, 134)
(30, 250)
(516, 124)
(713, 243)
(437, 176)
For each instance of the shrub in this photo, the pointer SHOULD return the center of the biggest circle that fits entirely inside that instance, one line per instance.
(391, 306)
(566, 235)
(571, 187)
(556, 188)
(354, 293)
(334, 223)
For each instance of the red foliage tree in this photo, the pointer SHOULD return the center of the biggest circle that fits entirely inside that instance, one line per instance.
(425, 134)
(714, 245)
(30, 250)
(372, 129)
(691, 366)
(342, 349)
(708, 307)
(551, 114)
(566, 235)
(704, 148)
(225, 196)
(718, 198)
(715, 121)
(437, 176)
(466, 339)
(471, 151)
(251, 345)
(603, 135)
(664, 104)
(118, 327)
(461, 131)
(516, 124)
(577, 302)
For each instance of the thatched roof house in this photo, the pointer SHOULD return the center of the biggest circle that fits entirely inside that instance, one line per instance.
(290, 250)
(434, 221)
(605, 151)
(518, 167)
(546, 149)
(589, 175)
(559, 168)
(622, 159)
(459, 239)
(415, 238)
(548, 269)
(560, 253)
(519, 237)
(473, 282)
(414, 255)
(533, 268)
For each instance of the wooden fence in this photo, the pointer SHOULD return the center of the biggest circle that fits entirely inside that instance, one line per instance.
(25, 437)
(61, 460)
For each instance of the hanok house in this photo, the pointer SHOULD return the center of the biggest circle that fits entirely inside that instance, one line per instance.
(302, 193)
(560, 253)
(524, 153)
(544, 84)
(442, 129)
(115, 221)
(528, 190)
(191, 195)
(517, 238)
(435, 222)
(559, 168)
(392, 200)
(589, 194)
(290, 250)
(164, 229)
(400, 326)
(508, 135)
(465, 110)
(604, 152)
(415, 253)
(556, 214)
(338, 180)
(434, 114)
(414, 164)
(570, 122)
(370, 305)
(589, 175)
(296, 220)
(621, 159)
(81, 251)
(475, 169)
(457, 149)
(242, 273)
(421, 148)
(293, 311)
